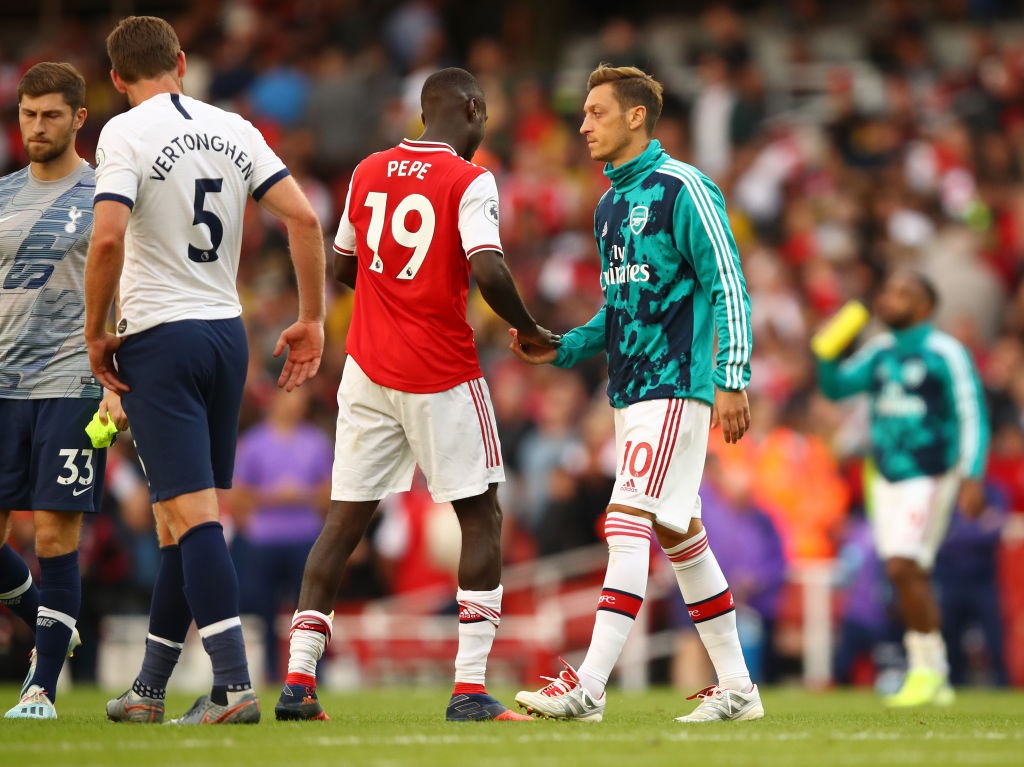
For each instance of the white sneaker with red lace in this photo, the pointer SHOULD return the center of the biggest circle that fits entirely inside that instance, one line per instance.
(563, 698)
(718, 705)
(35, 704)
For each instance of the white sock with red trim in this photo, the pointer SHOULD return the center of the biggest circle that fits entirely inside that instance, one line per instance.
(310, 633)
(625, 584)
(712, 609)
(479, 616)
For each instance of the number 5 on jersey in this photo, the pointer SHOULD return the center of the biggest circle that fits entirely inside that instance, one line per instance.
(205, 186)
(418, 239)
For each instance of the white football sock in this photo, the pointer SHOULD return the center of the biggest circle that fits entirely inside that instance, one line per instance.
(625, 584)
(711, 607)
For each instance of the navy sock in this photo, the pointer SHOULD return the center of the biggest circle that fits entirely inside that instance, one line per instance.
(211, 586)
(60, 599)
(17, 591)
(169, 613)
(157, 665)
(230, 667)
(169, 619)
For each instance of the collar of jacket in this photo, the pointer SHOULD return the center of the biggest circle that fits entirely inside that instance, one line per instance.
(911, 337)
(631, 173)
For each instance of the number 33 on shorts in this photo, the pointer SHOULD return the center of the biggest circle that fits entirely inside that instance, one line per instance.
(77, 469)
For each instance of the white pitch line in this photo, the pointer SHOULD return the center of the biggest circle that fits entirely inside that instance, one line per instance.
(573, 733)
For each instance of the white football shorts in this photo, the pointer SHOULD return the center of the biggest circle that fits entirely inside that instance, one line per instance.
(384, 433)
(661, 446)
(909, 518)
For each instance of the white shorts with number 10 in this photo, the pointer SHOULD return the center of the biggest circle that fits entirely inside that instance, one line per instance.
(661, 446)
(384, 433)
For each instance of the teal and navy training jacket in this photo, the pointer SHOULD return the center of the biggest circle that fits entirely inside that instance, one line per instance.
(671, 278)
(928, 413)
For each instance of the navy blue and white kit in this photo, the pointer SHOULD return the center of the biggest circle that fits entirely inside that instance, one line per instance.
(186, 170)
(47, 391)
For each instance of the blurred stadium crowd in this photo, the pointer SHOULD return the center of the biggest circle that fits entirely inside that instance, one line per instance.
(847, 138)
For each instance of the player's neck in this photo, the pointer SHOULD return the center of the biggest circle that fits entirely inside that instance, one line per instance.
(143, 90)
(631, 151)
(439, 137)
(56, 169)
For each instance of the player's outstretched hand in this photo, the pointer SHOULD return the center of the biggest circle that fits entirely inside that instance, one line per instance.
(101, 360)
(542, 338)
(732, 411)
(305, 342)
(536, 348)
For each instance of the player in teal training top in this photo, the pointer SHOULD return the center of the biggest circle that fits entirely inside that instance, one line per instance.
(671, 276)
(929, 439)
(671, 279)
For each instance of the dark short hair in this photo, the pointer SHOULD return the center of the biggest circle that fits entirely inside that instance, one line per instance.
(448, 82)
(54, 77)
(633, 88)
(142, 48)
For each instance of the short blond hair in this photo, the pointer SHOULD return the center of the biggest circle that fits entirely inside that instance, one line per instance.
(633, 88)
(143, 48)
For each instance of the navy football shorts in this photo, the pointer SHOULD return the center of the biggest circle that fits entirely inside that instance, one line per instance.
(186, 382)
(47, 462)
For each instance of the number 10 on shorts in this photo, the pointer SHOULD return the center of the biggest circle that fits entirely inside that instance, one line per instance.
(637, 458)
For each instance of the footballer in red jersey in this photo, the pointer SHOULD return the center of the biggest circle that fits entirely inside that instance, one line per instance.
(419, 222)
(415, 216)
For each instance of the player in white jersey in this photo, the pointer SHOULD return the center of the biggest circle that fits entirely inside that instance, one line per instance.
(47, 392)
(172, 181)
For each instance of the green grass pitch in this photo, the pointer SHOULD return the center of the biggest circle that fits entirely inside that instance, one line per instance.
(389, 727)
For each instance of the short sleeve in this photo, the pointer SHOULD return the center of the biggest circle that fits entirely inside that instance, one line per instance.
(345, 239)
(267, 167)
(117, 173)
(478, 215)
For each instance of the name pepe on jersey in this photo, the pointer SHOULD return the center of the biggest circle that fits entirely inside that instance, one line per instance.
(179, 146)
(408, 168)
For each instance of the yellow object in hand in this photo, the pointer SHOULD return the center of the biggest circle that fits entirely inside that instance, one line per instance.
(101, 434)
(829, 342)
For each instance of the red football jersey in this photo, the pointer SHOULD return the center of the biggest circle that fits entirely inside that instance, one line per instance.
(413, 217)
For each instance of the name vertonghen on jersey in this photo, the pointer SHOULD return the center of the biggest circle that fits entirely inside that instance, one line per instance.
(193, 142)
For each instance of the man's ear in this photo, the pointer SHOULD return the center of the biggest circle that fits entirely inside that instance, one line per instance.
(637, 117)
(471, 109)
(119, 84)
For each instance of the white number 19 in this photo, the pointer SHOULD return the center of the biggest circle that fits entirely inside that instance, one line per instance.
(418, 239)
